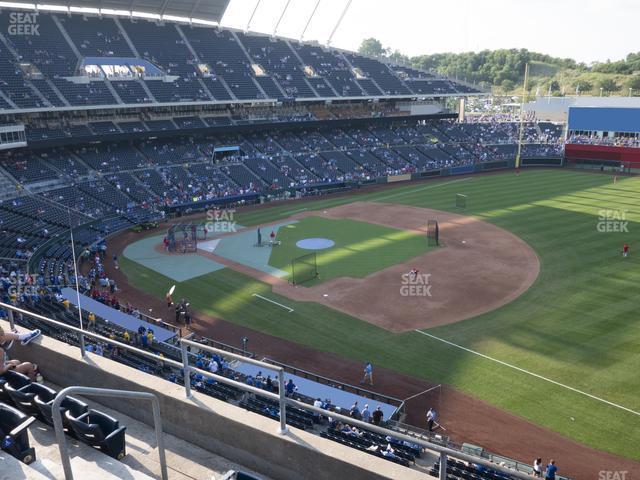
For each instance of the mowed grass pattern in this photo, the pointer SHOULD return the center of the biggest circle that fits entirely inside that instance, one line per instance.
(360, 248)
(578, 324)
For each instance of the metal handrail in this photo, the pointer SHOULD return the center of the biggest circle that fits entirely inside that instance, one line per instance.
(125, 346)
(284, 401)
(105, 392)
(444, 451)
(184, 343)
(306, 374)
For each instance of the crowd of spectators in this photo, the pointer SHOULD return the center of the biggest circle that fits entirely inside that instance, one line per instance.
(614, 141)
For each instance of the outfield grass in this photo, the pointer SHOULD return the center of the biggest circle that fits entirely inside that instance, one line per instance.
(578, 324)
(360, 248)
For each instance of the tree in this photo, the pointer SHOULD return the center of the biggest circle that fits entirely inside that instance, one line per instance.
(608, 85)
(398, 57)
(634, 83)
(507, 85)
(554, 86)
(372, 47)
(583, 86)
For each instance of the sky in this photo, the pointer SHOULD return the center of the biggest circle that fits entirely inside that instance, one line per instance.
(585, 30)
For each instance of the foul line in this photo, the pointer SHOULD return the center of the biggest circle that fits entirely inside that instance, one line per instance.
(529, 373)
(295, 211)
(271, 301)
(422, 393)
(428, 187)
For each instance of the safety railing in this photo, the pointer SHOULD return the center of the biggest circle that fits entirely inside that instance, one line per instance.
(13, 309)
(105, 392)
(361, 392)
(281, 397)
(184, 344)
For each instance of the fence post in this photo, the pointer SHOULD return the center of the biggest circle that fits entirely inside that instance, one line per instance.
(443, 466)
(186, 369)
(283, 403)
(83, 350)
(157, 422)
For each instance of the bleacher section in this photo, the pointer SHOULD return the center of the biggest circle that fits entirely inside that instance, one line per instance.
(190, 64)
(127, 178)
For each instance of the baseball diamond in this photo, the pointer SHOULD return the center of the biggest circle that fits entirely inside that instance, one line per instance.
(492, 267)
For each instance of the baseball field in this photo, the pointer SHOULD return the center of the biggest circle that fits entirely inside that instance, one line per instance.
(545, 324)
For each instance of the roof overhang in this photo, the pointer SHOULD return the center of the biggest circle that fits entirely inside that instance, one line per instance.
(200, 11)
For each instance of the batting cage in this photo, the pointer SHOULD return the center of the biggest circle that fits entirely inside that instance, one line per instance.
(304, 269)
(183, 238)
(433, 233)
(461, 200)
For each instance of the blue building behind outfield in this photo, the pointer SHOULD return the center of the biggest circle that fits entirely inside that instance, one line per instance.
(604, 121)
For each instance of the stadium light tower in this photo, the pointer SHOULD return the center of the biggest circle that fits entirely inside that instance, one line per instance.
(344, 12)
(304, 30)
(524, 99)
(255, 9)
(284, 10)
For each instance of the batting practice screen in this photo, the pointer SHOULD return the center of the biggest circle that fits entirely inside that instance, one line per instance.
(433, 233)
(461, 200)
(182, 238)
(304, 269)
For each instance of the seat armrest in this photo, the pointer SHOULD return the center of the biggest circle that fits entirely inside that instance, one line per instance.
(28, 421)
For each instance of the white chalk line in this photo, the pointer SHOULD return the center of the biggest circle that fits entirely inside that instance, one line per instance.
(295, 211)
(271, 301)
(422, 393)
(428, 187)
(593, 397)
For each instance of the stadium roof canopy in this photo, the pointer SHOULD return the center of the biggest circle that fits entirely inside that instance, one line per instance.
(204, 10)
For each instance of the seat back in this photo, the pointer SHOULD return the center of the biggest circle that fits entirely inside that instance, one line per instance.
(89, 432)
(10, 417)
(12, 380)
(24, 398)
(106, 423)
(14, 433)
(75, 407)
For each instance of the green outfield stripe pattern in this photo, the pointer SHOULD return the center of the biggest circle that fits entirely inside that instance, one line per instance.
(578, 324)
(360, 248)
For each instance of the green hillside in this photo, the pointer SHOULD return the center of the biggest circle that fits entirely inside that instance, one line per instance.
(503, 70)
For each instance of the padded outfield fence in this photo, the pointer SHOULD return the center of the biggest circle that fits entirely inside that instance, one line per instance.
(304, 269)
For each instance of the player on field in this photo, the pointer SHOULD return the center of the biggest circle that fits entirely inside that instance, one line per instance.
(368, 373)
(625, 250)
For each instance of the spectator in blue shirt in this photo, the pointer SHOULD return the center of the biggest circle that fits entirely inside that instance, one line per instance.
(551, 470)
(366, 413)
(290, 387)
(368, 374)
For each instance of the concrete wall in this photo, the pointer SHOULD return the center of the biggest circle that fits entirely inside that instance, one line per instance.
(243, 437)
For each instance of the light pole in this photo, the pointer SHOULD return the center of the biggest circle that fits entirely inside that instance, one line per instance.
(244, 345)
(601, 91)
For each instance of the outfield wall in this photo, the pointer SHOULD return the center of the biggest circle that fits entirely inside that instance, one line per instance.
(244, 437)
(630, 157)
